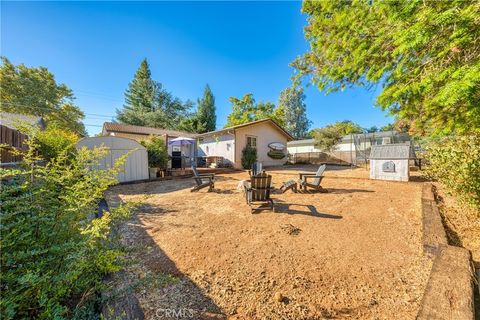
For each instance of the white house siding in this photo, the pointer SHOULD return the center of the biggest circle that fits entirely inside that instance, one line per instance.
(401, 170)
(222, 145)
(266, 133)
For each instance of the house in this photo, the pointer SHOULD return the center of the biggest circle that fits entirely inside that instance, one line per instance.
(265, 135)
(391, 161)
(139, 133)
(10, 136)
(224, 146)
(353, 148)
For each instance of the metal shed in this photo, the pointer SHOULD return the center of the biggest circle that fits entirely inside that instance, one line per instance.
(391, 161)
(136, 166)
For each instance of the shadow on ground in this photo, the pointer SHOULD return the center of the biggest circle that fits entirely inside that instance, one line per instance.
(310, 210)
(151, 276)
(164, 186)
(344, 191)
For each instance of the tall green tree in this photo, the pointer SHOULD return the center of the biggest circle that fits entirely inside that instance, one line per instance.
(34, 91)
(147, 103)
(327, 137)
(206, 116)
(295, 111)
(424, 53)
(141, 97)
(245, 110)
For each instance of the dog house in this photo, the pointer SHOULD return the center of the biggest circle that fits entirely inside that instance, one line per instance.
(136, 165)
(391, 161)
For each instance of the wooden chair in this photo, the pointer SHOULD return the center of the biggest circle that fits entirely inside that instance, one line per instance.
(203, 180)
(258, 191)
(257, 168)
(312, 180)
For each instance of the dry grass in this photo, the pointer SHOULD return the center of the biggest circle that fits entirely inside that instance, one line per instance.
(354, 252)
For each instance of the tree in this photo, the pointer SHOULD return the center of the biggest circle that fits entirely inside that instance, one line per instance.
(34, 91)
(425, 54)
(388, 127)
(140, 97)
(347, 127)
(327, 137)
(292, 102)
(157, 152)
(147, 103)
(246, 110)
(207, 120)
(372, 129)
(278, 116)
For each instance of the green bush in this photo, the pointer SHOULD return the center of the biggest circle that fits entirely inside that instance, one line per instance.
(157, 152)
(54, 141)
(54, 253)
(326, 138)
(455, 162)
(249, 156)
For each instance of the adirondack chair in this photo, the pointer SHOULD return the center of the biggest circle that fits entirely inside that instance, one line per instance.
(258, 191)
(203, 180)
(257, 168)
(312, 180)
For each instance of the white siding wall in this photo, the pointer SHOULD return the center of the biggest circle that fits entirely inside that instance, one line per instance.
(222, 146)
(136, 165)
(401, 173)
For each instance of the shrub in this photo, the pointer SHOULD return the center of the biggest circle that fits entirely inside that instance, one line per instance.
(326, 138)
(53, 250)
(455, 162)
(249, 156)
(54, 141)
(157, 152)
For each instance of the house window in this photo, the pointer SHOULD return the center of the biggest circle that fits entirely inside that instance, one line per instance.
(252, 141)
(206, 148)
(228, 146)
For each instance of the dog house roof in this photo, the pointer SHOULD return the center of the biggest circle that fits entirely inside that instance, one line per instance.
(392, 151)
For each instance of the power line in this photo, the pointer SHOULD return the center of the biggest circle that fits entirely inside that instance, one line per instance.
(50, 109)
(93, 125)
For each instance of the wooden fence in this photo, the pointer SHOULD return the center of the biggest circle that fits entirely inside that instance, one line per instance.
(11, 139)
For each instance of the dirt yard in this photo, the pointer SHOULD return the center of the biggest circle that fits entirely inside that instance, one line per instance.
(354, 252)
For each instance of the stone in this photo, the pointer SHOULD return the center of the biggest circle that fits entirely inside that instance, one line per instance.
(278, 297)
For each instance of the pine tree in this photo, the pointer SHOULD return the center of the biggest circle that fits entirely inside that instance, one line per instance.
(296, 121)
(141, 97)
(206, 117)
(147, 103)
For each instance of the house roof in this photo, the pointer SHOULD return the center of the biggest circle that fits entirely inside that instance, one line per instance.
(11, 120)
(392, 151)
(127, 128)
(288, 135)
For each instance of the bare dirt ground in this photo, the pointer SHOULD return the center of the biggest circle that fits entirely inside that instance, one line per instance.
(352, 253)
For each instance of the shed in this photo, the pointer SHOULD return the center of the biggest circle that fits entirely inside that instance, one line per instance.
(136, 165)
(391, 161)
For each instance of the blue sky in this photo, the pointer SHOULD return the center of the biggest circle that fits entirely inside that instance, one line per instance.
(235, 47)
